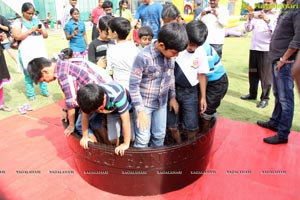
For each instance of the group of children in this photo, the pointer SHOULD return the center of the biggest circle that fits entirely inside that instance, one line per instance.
(138, 93)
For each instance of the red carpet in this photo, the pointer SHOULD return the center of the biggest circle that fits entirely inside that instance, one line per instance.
(36, 163)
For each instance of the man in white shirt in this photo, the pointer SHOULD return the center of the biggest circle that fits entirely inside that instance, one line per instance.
(66, 16)
(262, 24)
(215, 17)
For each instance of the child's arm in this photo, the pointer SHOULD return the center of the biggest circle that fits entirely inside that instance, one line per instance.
(109, 65)
(125, 118)
(84, 141)
(203, 69)
(71, 119)
(134, 89)
(202, 97)
(86, 40)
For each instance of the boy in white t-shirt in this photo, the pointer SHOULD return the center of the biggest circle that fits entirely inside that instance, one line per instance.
(120, 58)
(191, 68)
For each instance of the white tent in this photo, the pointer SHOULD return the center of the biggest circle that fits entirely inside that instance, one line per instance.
(16, 5)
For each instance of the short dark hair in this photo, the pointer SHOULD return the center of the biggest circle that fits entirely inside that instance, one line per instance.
(107, 4)
(145, 31)
(170, 11)
(35, 68)
(90, 97)
(121, 26)
(72, 10)
(197, 32)
(103, 22)
(174, 36)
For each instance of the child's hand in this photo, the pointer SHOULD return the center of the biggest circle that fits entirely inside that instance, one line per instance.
(70, 129)
(202, 106)
(143, 121)
(84, 142)
(102, 62)
(120, 150)
(173, 105)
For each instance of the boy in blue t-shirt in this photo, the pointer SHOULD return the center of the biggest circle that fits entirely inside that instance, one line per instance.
(217, 83)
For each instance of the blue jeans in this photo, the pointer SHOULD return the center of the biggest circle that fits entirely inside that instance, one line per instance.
(95, 120)
(283, 89)
(156, 130)
(187, 99)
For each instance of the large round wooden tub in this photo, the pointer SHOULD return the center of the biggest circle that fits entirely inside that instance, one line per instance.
(146, 171)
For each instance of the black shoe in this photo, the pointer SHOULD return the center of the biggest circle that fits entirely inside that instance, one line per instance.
(248, 97)
(262, 104)
(266, 125)
(275, 140)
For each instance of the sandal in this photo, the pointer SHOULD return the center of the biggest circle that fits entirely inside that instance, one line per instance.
(5, 108)
(22, 110)
(31, 98)
(49, 96)
(27, 107)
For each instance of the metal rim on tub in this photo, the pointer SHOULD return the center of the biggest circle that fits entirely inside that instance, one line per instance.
(143, 171)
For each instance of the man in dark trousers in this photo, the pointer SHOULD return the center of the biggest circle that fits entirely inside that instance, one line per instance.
(260, 68)
(285, 43)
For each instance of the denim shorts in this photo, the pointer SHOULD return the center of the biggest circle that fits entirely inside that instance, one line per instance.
(187, 99)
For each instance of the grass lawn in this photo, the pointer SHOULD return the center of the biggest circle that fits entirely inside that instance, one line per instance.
(235, 59)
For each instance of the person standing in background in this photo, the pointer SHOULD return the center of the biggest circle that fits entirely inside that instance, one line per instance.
(4, 77)
(30, 31)
(135, 33)
(150, 15)
(260, 68)
(123, 10)
(66, 16)
(76, 33)
(98, 47)
(96, 13)
(5, 43)
(108, 8)
(285, 44)
(215, 18)
(170, 13)
(198, 9)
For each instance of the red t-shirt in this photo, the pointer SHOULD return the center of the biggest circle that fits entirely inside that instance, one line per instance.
(96, 13)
